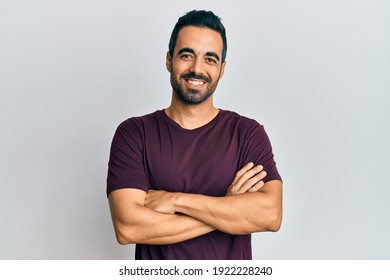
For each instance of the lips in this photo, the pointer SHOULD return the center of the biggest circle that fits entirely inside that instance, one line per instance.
(194, 77)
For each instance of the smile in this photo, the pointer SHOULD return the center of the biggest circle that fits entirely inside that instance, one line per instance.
(196, 82)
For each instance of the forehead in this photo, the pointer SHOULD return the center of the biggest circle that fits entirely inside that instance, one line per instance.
(200, 39)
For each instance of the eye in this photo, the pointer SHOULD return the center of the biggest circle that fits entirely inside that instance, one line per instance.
(211, 60)
(186, 56)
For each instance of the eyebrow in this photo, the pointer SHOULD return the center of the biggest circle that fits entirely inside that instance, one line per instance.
(186, 50)
(213, 54)
(189, 50)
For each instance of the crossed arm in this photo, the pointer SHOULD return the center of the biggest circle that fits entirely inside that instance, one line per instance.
(159, 217)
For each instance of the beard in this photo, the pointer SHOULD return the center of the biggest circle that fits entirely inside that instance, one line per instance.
(192, 96)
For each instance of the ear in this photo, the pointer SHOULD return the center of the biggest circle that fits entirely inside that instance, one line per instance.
(168, 62)
(222, 70)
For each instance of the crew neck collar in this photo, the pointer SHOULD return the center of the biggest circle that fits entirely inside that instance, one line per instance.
(203, 127)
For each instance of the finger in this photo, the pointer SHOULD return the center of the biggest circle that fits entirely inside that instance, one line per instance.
(242, 171)
(249, 183)
(242, 177)
(249, 174)
(256, 187)
(244, 182)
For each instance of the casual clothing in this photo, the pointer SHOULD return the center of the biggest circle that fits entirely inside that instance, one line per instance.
(154, 152)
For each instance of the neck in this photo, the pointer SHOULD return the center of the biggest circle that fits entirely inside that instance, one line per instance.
(191, 116)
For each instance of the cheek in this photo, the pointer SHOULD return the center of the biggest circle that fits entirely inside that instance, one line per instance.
(215, 75)
(178, 66)
(176, 72)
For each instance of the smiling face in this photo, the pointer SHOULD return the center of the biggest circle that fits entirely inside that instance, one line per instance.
(196, 65)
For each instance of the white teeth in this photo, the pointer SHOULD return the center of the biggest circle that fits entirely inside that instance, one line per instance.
(195, 83)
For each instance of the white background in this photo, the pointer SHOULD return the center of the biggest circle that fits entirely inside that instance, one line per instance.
(314, 73)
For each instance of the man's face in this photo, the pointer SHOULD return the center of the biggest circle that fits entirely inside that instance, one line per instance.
(196, 65)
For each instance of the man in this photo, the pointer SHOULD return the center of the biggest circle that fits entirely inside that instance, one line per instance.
(193, 181)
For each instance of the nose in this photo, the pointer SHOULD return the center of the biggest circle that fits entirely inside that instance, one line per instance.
(197, 66)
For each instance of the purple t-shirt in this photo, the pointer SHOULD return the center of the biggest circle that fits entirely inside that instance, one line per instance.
(154, 152)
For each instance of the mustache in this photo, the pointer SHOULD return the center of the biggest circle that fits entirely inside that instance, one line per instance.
(192, 75)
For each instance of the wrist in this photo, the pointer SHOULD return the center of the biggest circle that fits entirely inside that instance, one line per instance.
(177, 198)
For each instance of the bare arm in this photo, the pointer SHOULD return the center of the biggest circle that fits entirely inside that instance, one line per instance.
(249, 206)
(135, 223)
(149, 218)
(238, 214)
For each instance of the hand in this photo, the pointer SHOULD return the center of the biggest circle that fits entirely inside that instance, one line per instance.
(247, 179)
(160, 201)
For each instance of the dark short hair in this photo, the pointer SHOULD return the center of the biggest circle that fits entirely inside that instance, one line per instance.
(200, 19)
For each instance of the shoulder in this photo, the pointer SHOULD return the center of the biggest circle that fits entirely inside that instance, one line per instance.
(134, 129)
(140, 122)
(241, 122)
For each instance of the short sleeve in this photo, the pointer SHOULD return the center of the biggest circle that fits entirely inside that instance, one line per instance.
(126, 163)
(257, 149)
